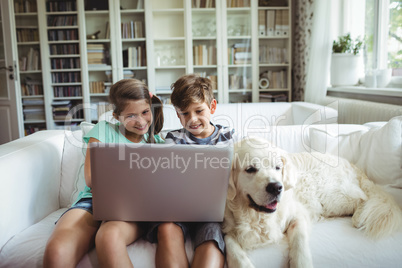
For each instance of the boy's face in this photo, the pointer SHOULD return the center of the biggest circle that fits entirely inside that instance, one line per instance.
(196, 119)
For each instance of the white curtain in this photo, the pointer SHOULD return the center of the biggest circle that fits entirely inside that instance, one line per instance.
(320, 53)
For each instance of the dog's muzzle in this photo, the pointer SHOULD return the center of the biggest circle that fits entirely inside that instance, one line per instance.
(269, 208)
(274, 189)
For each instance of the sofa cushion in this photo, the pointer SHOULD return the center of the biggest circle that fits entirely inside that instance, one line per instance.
(249, 116)
(377, 151)
(26, 249)
(72, 173)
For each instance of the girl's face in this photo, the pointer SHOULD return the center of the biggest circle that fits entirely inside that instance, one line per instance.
(136, 118)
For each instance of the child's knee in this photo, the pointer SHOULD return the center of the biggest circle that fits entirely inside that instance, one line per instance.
(107, 234)
(56, 252)
(169, 230)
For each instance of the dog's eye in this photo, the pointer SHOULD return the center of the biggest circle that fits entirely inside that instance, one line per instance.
(251, 169)
(278, 168)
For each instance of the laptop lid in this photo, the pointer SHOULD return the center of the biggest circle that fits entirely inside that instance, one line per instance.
(158, 182)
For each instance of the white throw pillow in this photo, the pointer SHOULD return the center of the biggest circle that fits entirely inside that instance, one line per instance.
(73, 180)
(381, 153)
(377, 151)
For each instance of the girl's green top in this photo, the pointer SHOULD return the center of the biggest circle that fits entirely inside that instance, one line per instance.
(107, 132)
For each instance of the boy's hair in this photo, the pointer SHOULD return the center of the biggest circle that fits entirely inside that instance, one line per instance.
(191, 88)
(133, 89)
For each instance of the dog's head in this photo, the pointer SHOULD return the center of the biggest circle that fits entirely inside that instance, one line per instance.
(260, 174)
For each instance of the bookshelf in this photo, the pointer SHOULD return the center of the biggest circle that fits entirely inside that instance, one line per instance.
(274, 46)
(71, 52)
(62, 47)
(29, 66)
(96, 42)
(238, 68)
(206, 44)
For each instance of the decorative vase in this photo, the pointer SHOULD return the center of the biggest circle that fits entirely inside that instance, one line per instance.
(345, 69)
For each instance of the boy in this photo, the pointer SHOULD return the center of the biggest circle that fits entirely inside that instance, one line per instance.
(194, 102)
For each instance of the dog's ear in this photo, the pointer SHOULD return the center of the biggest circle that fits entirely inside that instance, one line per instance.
(288, 173)
(232, 184)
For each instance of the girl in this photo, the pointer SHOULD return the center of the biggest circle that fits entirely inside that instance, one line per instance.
(140, 118)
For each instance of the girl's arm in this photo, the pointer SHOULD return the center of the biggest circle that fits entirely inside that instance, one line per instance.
(87, 167)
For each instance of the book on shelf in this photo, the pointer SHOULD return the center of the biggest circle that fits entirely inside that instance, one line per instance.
(278, 23)
(134, 57)
(27, 35)
(55, 6)
(66, 77)
(67, 91)
(266, 97)
(140, 4)
(107, 31)
(30, 62)
(31, 87)
(277, 79)
(30, 129)
(270, 20)
(24, 6)
(65, 63)
(203, 3)
(238, 3)
(242, 55)
(281, 97)
(128, 74)
(62, 20)
(239, 82)
(97, 87)
(98, 109)
(272, 55)
(132, 29)
(204, 55)
(241, 49)
(71, 49)
(33, 109)
(214, 80)
(261, 23)
(31, 102)
(61, 110)
(285, 23)
(96, 55)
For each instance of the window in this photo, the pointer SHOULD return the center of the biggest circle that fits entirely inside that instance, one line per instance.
(381, 26)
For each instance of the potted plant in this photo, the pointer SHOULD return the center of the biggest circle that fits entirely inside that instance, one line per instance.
(346, 61)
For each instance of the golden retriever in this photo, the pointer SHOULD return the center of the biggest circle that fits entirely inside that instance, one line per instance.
(273, 193)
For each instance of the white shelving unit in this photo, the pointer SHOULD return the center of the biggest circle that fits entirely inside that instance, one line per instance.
(221, 41)
(30, 68)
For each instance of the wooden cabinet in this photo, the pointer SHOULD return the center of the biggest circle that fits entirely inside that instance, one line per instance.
(77, 49)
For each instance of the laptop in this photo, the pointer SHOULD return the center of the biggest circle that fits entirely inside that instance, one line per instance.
(159, 182)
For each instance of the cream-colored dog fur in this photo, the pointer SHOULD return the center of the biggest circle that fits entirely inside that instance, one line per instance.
(273, 194)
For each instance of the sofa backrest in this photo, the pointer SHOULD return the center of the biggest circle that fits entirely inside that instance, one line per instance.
(250, 116)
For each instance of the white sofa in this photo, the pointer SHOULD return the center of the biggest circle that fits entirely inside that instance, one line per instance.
(41, 175)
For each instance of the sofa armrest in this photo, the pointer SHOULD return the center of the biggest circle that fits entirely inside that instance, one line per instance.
(305, 113)
(29, 180)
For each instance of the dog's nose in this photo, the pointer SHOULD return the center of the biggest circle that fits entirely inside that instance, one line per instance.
(274, 188)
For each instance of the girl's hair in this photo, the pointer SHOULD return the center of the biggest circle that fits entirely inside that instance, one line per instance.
(133, 89)
(191, 88)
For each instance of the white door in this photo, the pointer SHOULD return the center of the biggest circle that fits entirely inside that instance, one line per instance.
(10, 112)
